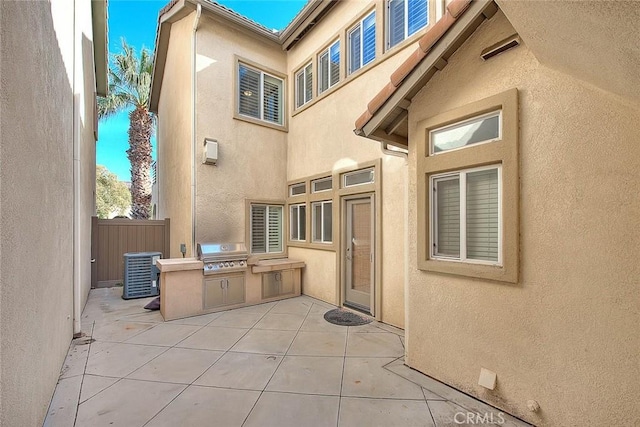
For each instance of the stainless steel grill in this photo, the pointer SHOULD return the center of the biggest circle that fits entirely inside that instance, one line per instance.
(222, 257)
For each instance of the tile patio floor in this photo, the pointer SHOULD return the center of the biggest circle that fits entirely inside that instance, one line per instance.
(276, 364)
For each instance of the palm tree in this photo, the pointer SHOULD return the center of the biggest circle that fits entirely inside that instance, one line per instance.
(129, 88)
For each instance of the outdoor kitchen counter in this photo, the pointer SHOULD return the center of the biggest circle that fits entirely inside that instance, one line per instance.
(179, 264)
(185, 291)
(267, 265)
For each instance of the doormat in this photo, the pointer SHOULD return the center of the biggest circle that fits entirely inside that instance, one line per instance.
(342, 317)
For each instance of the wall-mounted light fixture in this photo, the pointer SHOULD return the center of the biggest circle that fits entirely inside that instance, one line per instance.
(210, 154)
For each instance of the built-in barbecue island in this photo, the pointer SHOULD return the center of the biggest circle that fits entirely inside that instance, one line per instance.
(223, 277)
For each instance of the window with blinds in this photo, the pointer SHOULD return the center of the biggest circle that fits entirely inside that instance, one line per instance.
(266, 229)
(329, 67)
(260, 95)
(297, 221)
(405, 18)
(466, 215)
(362, 43)
(322, 227)
(304, 85)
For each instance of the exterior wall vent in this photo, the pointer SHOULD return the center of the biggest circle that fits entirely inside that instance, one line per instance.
(500, 47)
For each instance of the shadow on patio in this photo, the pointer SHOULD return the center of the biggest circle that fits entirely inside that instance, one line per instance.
(276, 364)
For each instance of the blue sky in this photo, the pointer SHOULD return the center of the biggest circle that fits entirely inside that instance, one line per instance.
(135, 21)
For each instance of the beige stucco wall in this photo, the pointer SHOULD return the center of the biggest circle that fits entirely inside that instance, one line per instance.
(252, 159)
(321, 139)
(38, 69)
(565, 334)
(174, 134)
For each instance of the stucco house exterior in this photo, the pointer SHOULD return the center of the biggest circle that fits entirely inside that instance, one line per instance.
(490, 211)
(53, 57)
(523, 207)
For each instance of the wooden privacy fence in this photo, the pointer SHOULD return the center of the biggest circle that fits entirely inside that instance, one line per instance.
(112, 238)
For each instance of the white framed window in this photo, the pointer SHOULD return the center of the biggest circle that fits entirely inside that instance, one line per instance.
(476, 130)
(266, 228)
(405, 18)
(297, 222)
(359, 177)
(323, 184)
(297, 189)
(260, 95)
(361, 41)
(304, 85)
(321, 213)
(329, 67)
(466, 219)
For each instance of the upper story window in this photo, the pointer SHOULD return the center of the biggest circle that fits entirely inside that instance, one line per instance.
(260, 95)
(297, 189)
(329, 67)
(405, 18)
(477, 130)
(362, 43)
(304, 85)
(323, 184)
(266, 228)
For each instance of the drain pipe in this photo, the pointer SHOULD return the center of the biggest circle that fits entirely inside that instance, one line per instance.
(196, 23)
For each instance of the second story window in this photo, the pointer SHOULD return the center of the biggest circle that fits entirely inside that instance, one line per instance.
(405, 18)
(329, 67)
(260, 95)
(362, 43)
(304, 85)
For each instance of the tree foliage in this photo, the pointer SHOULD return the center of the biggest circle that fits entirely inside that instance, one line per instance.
(129, 90)
(112, 196)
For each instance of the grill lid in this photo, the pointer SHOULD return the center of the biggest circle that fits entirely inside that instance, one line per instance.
(208, 252)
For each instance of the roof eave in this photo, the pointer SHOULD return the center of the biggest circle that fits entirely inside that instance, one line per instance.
(372, 124)
(100, 45)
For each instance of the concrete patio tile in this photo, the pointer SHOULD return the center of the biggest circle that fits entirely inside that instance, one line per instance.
(177, 365)
(62, 409)
(374, 345)
(320, 308)
(76, 359)
(316, 322)
(231, 319)
(280, 322)
(201, 320)
(292, 306)
(265, 342)
(145, 316)
(256, 309)
(244, 371)
(127, 403)
(373, 327)
(308, 343)
(357, 412)
(294, 410)
(448, 414)
(93, 384)
(119, 331)
(206, 406)
(308, 375)
(119, 360)
(164, 335)
(213, 338)
(366, 377)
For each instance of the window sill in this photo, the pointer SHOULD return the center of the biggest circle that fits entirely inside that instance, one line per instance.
(475, 270)
(259, 122)
(307, 245)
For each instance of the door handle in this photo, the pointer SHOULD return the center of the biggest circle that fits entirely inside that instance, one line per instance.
(93, 260)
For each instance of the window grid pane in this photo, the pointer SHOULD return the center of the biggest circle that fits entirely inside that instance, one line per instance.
(323, 70)
(354, 49)
(448, 217)
(482, 215)
(396, 22)
(272, 104)
(308, 83)
(417, 15)
(274, 243)
(369, 39)
(249, 96)
(258, 227)
(473, 131)
(334, 57)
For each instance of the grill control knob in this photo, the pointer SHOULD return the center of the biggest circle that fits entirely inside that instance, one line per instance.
(241, 263)
(210, 266)
(231, 264)
(226, 264)
(220, 265)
